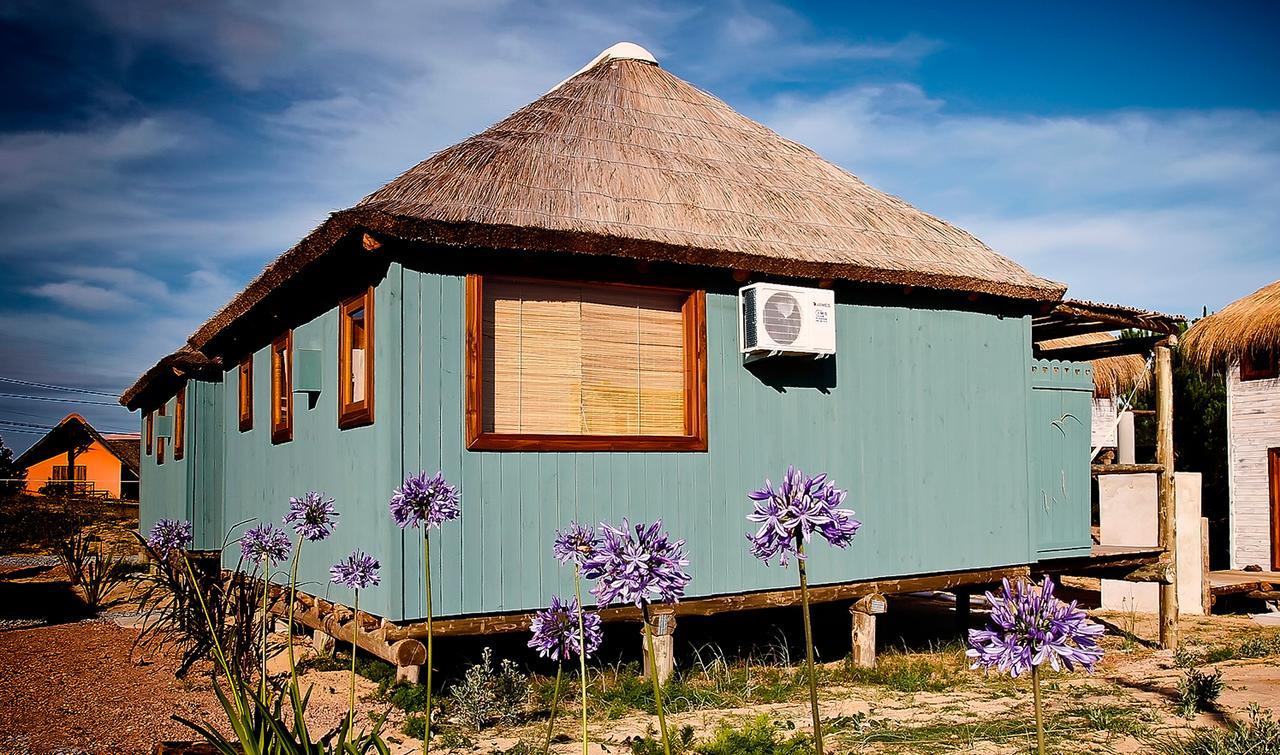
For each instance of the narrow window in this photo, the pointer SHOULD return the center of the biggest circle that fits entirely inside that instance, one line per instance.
(355, 361)
(160, 441)
(584, 367)
(1260, 365)
(246, 393)
(150, 433)
(180, 423)
(282, 388)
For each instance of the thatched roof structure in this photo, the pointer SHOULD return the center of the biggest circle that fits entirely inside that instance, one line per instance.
(1112, 376)
(624, 159)
(1251, 324)
(167, 374)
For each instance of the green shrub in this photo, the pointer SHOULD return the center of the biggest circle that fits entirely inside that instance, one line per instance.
(649, 744)
(1258, 734)
(489, 694)
(409, 697)
(1198, 690)
(756, 737)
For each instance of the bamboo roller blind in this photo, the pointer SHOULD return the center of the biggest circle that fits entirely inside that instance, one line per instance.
(565, 359)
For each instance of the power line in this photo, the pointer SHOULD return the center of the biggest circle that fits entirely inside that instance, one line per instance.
(47, 386)
(59, 400)
(15, 424)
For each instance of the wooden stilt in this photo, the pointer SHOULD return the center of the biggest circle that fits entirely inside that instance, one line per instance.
(863, 614)
(1166, 497)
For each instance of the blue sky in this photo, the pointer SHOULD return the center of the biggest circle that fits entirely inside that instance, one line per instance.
(156, 154)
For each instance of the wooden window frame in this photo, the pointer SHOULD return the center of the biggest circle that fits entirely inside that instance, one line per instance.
(1251, 371)
(180, 423)
(244, 396)
(150, 427)
(1273, 490)
(282, 426)
(355, 413)
(160, 440)
(694, 313)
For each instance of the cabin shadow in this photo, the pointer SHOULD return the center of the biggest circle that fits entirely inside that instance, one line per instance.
(789, 373)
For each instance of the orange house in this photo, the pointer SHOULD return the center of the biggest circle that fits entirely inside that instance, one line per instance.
(74, 454)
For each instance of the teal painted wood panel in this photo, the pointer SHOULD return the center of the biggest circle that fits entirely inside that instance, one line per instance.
(1058, 427)
(164, 489)
(926, 425)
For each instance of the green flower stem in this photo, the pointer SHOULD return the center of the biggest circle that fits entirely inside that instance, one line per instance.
(808, 648)
(426, 568)
(213, 633)
(1035, 692)
(582, 652)
(555, 703)
(293, 596)
(657, 688)
(266, 589)
(355, 644)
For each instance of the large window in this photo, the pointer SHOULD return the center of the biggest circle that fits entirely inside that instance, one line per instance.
(245, 380)
(180, 423)
(282, 388)
(560, 366)
(1260, 365)
(355, 361)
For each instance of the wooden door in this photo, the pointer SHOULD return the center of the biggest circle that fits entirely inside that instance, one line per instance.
(1273, 467)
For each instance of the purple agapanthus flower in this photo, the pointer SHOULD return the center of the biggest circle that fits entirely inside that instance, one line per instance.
(169, 535)
(575, 543)
(1030, 626)
(357, 571)
(424, 498)
(555, 631)
(637, 565)
(312, 516)
(799, 507)
(265, 541)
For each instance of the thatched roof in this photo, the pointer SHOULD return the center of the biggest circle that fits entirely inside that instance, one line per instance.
(167, 374)
(1251, 324)
(1112, 376)
(624, 159)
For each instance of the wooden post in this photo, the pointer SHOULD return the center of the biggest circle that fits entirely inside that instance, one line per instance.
(1167, 509)
(863, 615)
(663, 621)
(1206, 592)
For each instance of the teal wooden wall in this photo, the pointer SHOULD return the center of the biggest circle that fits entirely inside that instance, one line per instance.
(924, 416)
(163, 489)
(1059, 420)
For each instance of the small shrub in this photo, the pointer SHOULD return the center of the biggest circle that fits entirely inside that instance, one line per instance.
(1198, 690)
(100, 574)
(1256, 646)
(487, 694)
(409, 697)
(756, 737)
(1259, 733)
(649, 744)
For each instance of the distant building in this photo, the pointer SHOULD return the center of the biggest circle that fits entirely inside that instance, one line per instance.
(75, 455)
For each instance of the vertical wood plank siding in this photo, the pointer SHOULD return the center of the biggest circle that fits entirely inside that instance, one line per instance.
(1060, 422)
(923, 415)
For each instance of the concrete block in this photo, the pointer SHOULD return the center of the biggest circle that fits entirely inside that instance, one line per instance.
(1127, 514)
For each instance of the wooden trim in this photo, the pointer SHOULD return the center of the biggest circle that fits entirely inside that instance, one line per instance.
(244, 387)
(160, 441)
(1252, 370)
(282, 422)
(1273, 474)
(149, 424)
(180, 423)
(694, 312)
(355, 413)
(1098, 469)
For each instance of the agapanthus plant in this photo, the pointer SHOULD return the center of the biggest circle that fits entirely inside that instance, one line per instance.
(313, 518)
(358, 571)
(1029, 626)
(265, 545)
(425, 501)
(638, 565)
(788, 517)
(577, 543)
(168, 536)
(561, 632)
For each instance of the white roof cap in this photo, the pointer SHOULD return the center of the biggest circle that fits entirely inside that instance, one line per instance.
(620, 51)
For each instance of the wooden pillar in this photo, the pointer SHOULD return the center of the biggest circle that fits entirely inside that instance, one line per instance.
(323, 642)
(1167, 510)
(863, 615)
(663, 622)
(408, 674)
(1206, 589)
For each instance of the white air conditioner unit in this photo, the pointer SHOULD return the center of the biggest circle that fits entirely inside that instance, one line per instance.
(786, 320)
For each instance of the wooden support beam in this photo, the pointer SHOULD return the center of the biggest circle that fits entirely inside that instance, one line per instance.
(1161, 571)
(863, 632)
(1098, 469)
(1089, 352)
(1166, 503)
(1263, 594)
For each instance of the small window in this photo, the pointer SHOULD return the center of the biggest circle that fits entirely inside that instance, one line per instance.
(282, 388)
(180, 423)
(1260, 365)
(150, 430)
(160, 441)
(246, 393)
(558, 366)
(355, 361)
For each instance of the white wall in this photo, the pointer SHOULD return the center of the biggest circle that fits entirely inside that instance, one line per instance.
(1253, 426)
(1127, 513)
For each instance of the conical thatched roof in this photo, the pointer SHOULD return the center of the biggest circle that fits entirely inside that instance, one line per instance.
(1251, 324)
(625, 159)
(1112, 376)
